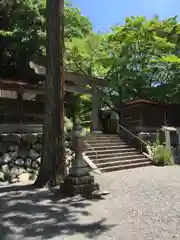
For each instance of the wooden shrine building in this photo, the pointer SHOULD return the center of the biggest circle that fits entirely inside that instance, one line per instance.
(144, 115)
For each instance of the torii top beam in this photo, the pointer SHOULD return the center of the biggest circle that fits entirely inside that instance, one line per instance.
(72, 77)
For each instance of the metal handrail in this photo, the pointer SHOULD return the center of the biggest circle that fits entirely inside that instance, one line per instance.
(91, 149)
(135, 136)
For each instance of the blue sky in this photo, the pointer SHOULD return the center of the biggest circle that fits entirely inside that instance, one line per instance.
(104, 13)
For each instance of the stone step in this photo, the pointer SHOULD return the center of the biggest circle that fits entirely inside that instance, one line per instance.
(105, 148)
(103, 138)
(126, 166)
(103, 135)
(108, 157)
(123, 148)
(121, 162)
(110, 151)
(108, 143)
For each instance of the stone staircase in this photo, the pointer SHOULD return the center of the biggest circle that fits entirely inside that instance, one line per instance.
(110, 153)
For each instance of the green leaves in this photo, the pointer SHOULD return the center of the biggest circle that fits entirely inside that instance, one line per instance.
(143, 54)
(139, 59)
(170, 59)
(84, 55)
(23, 35)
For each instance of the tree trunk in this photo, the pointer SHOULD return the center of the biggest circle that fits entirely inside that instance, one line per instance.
(52, 167)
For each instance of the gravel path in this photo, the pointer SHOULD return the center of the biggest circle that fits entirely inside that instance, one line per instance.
(143, 204)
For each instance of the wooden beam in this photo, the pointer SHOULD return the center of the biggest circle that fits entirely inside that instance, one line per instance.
(40, 91)
(21, 128)
(78, 89)
(71, 77)
(20, 87)
(80, 79)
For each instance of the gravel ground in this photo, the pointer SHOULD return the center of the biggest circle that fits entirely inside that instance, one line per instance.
(143, 204)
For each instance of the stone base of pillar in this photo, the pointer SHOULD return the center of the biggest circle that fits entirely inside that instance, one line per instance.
(75, 185)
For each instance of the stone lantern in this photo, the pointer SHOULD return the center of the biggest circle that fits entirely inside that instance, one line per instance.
(114, 122)
(79, 180)
(167, 130)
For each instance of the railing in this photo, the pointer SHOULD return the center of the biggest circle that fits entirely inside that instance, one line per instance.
(133, 139)
(90, 147)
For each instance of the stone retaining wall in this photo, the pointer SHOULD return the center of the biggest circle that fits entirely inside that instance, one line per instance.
(20, 155)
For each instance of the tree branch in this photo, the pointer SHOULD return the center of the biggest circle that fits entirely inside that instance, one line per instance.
(80, 68)
(112, 108)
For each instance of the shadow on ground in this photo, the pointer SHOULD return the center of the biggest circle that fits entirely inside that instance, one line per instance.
(40, 214)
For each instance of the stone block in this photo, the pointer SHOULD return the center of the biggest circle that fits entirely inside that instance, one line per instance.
(32, 177)
(30, 138)
(3, 148)
(11, 164)
(33, 154)
(2, 176)
(66, 143)
(19, 162)
(38, 160)
(16, 171)
(14, 155)
(40, 137)
(34, 165)
(37, 147)
(24, 177)
(5, 169)
(13, 180)
(27, 162)
(13, 148)
(23, 148)
(68, 151)
(2, 161)
(7, 157)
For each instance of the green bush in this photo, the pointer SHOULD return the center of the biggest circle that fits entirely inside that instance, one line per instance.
(68, 126)
(161, 155)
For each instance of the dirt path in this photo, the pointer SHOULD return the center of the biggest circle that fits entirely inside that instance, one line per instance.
(143, 204)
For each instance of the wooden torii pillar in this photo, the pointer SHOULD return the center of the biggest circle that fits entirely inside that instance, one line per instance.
(96, 104)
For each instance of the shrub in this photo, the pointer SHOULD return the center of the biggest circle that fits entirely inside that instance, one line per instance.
(161, 155)
(68, 125)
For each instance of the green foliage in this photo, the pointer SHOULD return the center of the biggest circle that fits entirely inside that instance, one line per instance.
(143, 60)
(161, 154)
(83, 55)
(23, 36)
(139, 59)
(68, 125)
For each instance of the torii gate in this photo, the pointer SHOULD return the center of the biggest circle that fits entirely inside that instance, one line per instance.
(79, 81)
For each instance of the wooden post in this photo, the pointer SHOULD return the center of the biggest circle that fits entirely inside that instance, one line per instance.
(178, 134)
(53, 154)
(95, 111)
